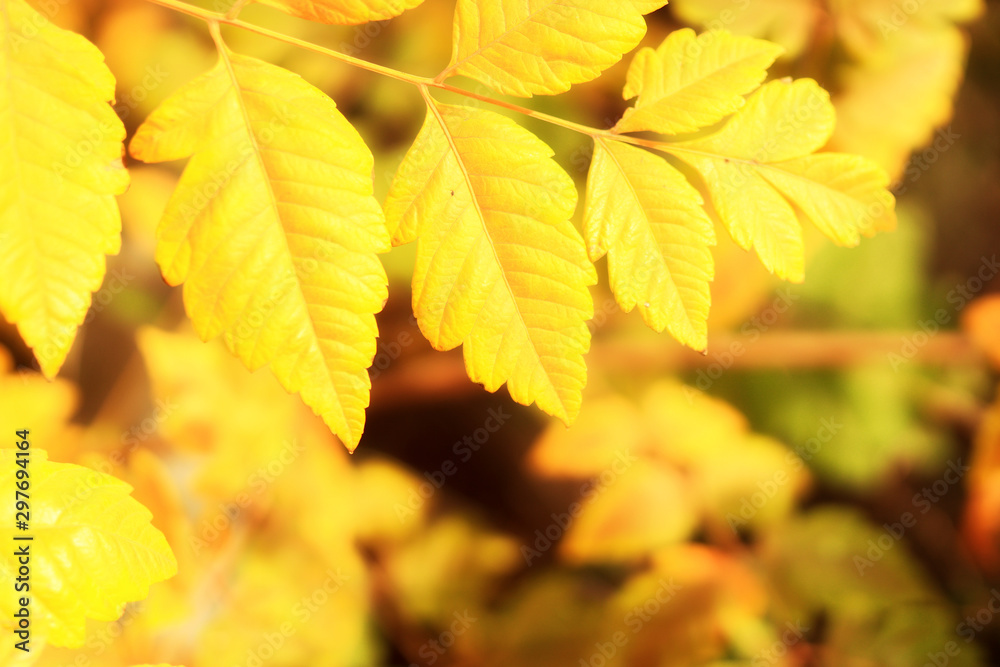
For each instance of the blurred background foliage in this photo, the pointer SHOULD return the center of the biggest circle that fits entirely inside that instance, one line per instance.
(800, 496)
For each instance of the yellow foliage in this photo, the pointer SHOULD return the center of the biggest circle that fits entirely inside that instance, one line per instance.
(274, 230)
(789, 23)
(384, 513)
(608, 427)
(62, 147)
(293, 553)
(28, 398)
(703, 599)
(903, 60)
(500, 268)
(660, 469)
(690, 82)
(317, 615)
(759, 169)
(448, 567)
(760, 164)
(542, 46)
(647, 6)
(641, 509)
(865, 25)
(912, 78)
(94, 548)
(712, 441)
(238, 430)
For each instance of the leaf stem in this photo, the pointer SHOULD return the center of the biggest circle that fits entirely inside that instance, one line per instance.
(424, 83)
(210, 16)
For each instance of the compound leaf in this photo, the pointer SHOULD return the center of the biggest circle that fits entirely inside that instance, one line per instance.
(62, 148)
(500, 268)
(274, 231)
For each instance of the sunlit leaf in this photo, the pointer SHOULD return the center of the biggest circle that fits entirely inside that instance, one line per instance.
(690, 82)
(93, 548)
(543, 47)
(62, 148)
(649, 220)
(500, 268)
(760, 165)
(274, 230)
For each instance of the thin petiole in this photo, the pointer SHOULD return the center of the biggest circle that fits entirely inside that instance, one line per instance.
(424, 83)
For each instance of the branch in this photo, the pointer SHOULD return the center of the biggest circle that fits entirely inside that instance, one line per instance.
(408, 381)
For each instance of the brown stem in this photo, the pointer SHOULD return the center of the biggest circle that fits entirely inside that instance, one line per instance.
(407, 381)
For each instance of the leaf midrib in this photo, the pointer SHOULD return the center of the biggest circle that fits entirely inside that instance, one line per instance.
(763, 166)
(258, 158)
(649, 223)
(486, 232)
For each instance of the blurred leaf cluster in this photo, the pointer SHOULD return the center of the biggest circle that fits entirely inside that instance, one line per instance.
(736, 509)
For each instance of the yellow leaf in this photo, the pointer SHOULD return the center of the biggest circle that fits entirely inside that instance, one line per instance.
(684, 421)
(843, 195)
(868, 26)
(304, 489)
(760, 163)
(28, 399)
(687, 599)
(643, 509)
(705, 459)
(650, 221)
(449, 565)
(691, 81)
(93, 548)
(739, 477)
(783, 120)
(500, 267)
(901, 60)
(318, 615)
(62, 147)
(790, 23)
(343, 12)
(388, 504)
(610, 427)
(912, 77)
(274, 230)
(529, 47)
(210, 405)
